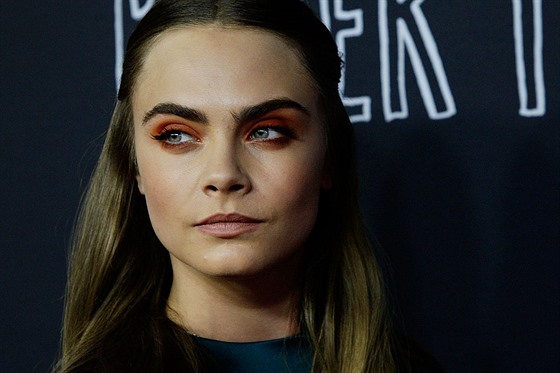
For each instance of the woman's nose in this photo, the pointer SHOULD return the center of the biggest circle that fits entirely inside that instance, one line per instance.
(225, 172)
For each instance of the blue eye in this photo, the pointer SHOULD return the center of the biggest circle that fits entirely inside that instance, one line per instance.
(269, 133)
(261, 133)
(174, 137)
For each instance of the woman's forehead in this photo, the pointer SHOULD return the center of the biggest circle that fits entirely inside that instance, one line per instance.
(232, 66)
(216, 45)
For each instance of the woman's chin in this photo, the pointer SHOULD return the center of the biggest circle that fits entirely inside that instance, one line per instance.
(236, 263)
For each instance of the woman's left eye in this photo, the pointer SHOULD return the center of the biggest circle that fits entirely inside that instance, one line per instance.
(267, 133)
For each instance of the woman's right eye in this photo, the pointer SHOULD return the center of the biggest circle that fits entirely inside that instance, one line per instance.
(175, 137)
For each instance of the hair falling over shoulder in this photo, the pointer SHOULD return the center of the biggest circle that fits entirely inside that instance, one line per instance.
(120, 275)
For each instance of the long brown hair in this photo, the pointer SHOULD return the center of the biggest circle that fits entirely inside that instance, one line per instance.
(120, 274)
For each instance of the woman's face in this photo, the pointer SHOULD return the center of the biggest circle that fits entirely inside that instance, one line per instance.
(230, 149)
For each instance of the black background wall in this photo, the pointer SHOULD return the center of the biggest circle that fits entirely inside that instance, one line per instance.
(460, 175)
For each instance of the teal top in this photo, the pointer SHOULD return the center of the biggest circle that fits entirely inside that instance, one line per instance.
(285, 355)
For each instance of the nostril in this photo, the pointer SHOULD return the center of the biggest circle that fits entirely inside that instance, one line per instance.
(231, 188)
(235, 187)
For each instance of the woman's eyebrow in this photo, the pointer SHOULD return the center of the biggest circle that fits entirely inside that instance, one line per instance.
(175, 109)
(252, 113)
(247, 114)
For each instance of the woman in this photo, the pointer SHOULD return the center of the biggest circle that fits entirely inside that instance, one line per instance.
(222, 221)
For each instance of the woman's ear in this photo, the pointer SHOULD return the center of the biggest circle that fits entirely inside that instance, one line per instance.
(139, 182)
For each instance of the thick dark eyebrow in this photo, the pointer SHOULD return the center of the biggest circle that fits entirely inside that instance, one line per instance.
(175, 109)
(253, 113)
(248, 114)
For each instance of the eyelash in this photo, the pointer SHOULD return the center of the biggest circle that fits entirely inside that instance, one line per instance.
(166, 133)
(287, 134)
(164, 136)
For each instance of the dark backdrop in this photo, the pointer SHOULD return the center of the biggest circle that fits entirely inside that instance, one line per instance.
(458, 145)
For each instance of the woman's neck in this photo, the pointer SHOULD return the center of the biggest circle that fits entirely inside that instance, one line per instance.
(236, 309)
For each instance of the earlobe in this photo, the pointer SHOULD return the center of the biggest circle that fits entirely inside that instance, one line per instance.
(139, 182)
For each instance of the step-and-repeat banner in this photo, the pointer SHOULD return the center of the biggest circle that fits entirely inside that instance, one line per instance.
(456, 108)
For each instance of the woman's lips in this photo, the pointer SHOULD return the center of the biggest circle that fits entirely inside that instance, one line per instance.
(228, 225)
